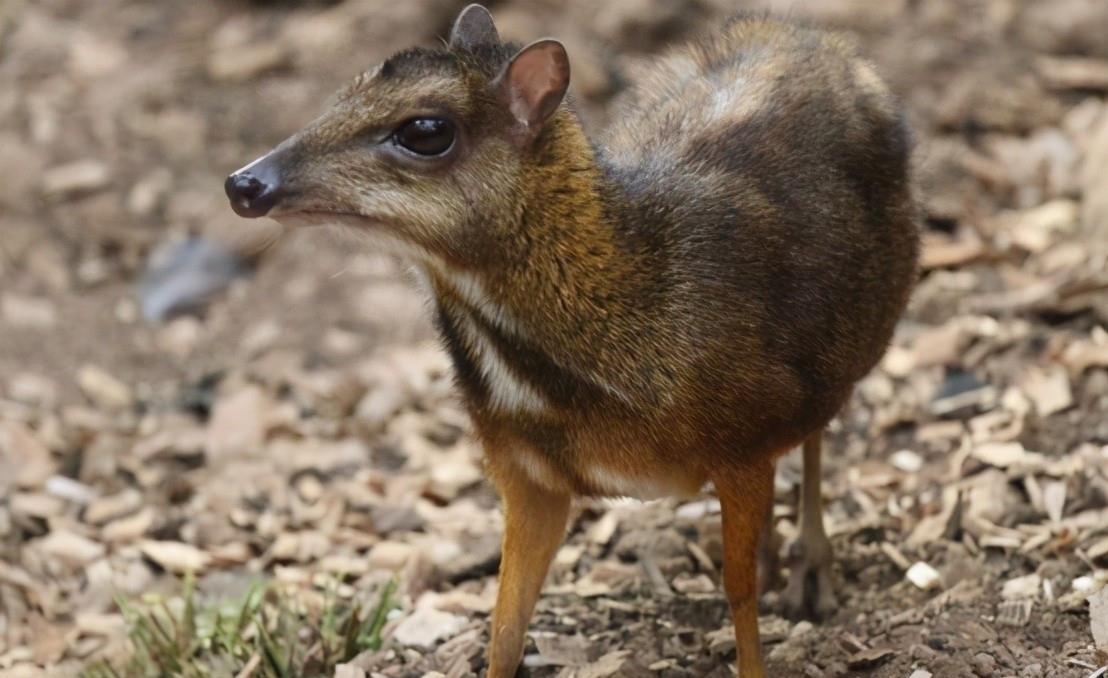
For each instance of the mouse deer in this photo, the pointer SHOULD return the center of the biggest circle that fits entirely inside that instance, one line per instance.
(679, 301)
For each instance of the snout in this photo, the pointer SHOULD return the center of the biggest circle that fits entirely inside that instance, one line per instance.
(255, 189)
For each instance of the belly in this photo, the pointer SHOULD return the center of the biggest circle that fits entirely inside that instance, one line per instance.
(601, 475)
(615, 483)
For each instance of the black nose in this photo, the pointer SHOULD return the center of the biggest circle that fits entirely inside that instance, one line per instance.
(253, 190)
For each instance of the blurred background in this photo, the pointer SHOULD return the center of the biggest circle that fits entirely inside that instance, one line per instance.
(183, 391)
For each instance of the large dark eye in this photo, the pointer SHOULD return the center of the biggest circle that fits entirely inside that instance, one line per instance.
(426, 136)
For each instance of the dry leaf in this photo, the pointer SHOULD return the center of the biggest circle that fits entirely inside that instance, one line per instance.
(942, 251)
(114, 506)
(104, 390)
(1048, 389)
(604, 529)
(1098, 551)
(1008, 455)
(1098, 618)
(1083, 73)
(243, 62)
(175, 556)
(390, 555)
(1036, 229)
(1015, 612)
(869, 658)
(349, 671)
(427, 626)
(611, 664)
(130, 528)
(75, 549)
(23, 457)
(1022, 587)
(238, 424)
(557, 649)
(1054, 500)
(1081, 355)
(82, 176)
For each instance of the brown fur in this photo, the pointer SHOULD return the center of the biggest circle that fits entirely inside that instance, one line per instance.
(683, 301)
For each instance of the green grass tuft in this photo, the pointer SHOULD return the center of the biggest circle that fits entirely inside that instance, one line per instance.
(267, 629)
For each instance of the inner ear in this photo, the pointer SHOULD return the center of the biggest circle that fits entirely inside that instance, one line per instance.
(473, 28)
(534, 83)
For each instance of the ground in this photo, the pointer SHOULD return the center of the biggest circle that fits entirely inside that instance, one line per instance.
(302, 421)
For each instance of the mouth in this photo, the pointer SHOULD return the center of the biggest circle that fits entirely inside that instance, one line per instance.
(313, 218)
(377, 233)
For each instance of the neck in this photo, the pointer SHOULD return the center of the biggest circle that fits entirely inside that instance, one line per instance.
(565, 246)
(566, 277)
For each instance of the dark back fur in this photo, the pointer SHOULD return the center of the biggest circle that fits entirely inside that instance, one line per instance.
(700, 287)
(710, 280)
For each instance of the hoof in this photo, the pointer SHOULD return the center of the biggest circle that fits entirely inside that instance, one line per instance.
(769, 571)
(809, 593)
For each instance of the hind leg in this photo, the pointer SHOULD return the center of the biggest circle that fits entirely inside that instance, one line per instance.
(809, 593)
(744, 495)
(769, 562)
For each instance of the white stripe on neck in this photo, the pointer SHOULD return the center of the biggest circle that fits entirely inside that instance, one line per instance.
(506, 391)
(470, 288)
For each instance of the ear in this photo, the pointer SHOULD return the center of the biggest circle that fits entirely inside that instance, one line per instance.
(472, 28)
(534, 83)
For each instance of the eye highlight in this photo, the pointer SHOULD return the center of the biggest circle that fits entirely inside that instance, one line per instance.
(425, 136)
